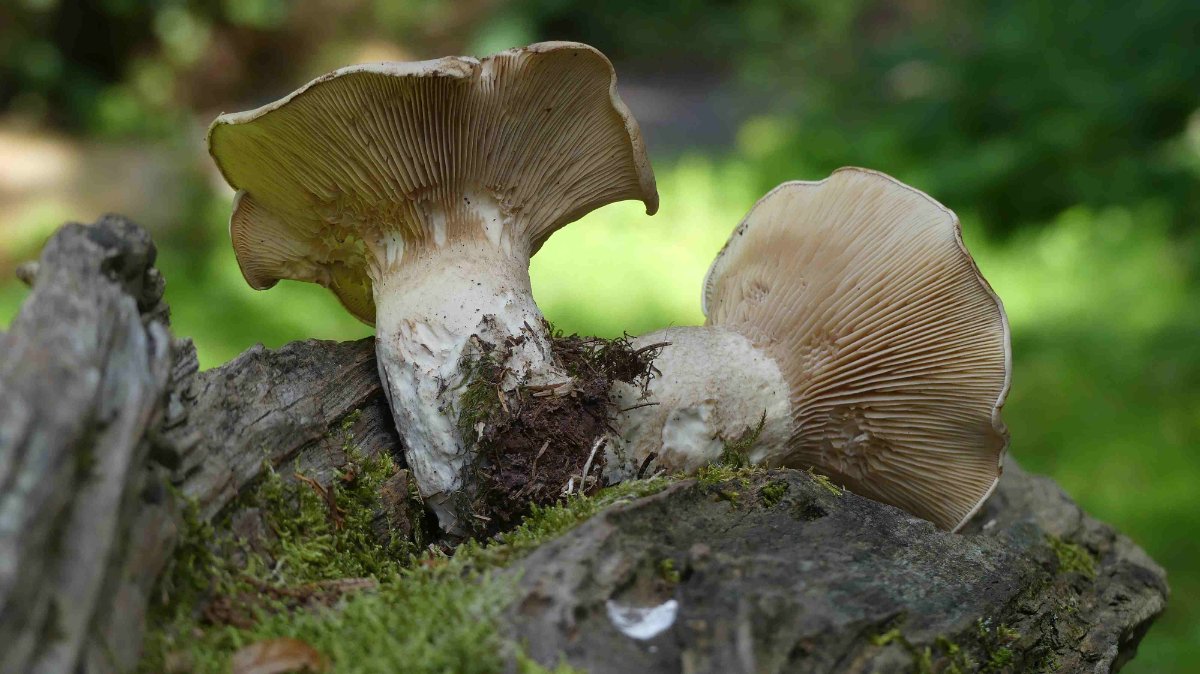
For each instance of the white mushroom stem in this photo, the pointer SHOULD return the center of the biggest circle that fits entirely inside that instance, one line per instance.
(417, 192)
(428, 311)
(713, 388)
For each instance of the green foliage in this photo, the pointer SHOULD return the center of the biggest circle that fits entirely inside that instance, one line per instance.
(1065, 135)
(977, 102)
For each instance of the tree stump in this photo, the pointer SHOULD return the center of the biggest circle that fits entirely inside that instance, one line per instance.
(107, 429)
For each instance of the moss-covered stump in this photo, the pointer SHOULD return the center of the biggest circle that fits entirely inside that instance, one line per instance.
(773, 571)
(265, 503)
(365, 603)
(740, 570)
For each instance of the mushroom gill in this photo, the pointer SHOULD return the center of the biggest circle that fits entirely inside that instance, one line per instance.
(417, 193)
(890, 348)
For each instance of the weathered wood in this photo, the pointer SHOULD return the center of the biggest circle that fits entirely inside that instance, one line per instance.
(97, 402)
(809, 581)
(286, 406)
(85, 368)
(105, 421)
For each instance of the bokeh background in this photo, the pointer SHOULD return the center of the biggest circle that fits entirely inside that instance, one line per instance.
(1065, 134)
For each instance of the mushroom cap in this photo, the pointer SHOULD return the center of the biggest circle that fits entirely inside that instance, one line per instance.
(895, 348)
(366, 165)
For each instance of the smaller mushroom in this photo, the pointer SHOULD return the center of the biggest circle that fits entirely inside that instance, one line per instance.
(848, 330)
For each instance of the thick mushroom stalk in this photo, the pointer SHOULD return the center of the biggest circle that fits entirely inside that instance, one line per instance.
(417, 193)
(848, 330)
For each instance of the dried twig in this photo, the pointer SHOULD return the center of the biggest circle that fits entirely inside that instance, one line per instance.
(646, 464)
(328, 495)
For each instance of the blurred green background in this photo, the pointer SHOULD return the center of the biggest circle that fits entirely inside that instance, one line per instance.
(1066, 135)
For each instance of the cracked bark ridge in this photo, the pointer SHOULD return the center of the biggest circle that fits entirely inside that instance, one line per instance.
(293, 408)
(778, 574)
(102, 412)
(84, 370)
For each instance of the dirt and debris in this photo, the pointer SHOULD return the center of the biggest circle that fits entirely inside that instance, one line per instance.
(400, 515)
(538, 444)
(243, 609)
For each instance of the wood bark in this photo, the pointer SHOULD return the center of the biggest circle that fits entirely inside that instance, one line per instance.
(108, 429)
(85, 368)
(807, 580)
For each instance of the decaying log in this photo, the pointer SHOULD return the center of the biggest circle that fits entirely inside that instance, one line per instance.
(101, 414)
(779, 573)
(108, 429)
(297, 405)
(85, 368)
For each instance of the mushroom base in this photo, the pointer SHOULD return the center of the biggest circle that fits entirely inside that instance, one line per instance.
(534, 445)
(433, 314)
(715, 394)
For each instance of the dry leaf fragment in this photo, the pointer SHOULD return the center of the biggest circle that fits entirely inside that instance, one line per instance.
(278, 656)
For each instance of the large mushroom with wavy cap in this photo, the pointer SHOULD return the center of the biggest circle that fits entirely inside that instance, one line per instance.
(417, 193)
(848, 330)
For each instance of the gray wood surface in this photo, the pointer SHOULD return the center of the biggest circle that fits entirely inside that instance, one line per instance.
(107, 428)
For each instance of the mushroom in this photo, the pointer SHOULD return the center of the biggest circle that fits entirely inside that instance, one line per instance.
(848, 330)
(417, 193)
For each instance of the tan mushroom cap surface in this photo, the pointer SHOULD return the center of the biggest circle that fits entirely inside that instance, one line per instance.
(895, 348)
(370, 165)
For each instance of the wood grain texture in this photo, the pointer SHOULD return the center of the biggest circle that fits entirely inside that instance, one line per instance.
(106, 424)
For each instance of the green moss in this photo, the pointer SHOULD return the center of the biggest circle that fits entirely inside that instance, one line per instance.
(546, 522)
(312, 536)
(668, 572)
(1073, 558)
(922, 658)
(825, 482)
(773, 492)
(428, 614)
(999, 659)
(736, 452)
(321, 537)
(527, 666)
(891, 636)
(1006, 633)
(995, 644)
(717, 473)
(190, 569)
(955, 659)
(479, 401)
(85, 462)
